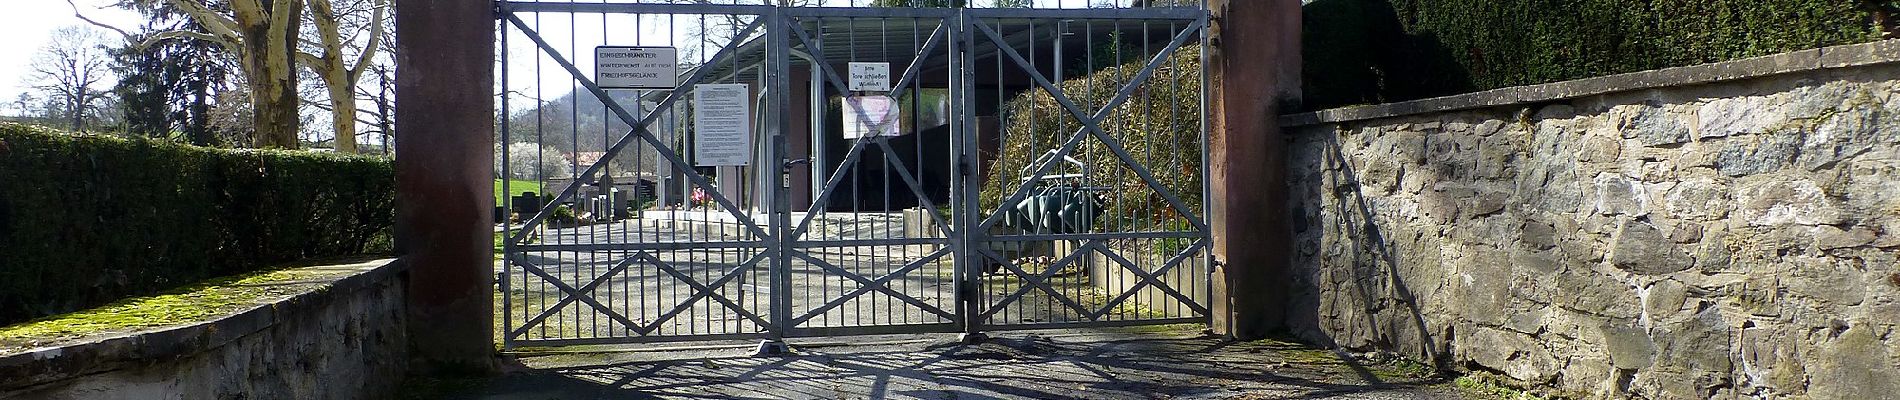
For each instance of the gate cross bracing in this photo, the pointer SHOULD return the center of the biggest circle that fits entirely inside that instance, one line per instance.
(1000, 177)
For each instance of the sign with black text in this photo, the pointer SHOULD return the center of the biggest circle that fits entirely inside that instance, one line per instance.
(869, 76)
(722, 128)
(624, 67)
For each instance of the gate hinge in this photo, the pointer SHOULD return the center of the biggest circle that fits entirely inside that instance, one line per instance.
(963, 167)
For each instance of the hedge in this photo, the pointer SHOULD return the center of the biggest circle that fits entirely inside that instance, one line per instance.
(1374, 51)
(86, 220)
(1159, 126)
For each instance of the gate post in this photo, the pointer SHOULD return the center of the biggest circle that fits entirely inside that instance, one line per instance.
(1254, 62)
(445, 58)
(778, 71)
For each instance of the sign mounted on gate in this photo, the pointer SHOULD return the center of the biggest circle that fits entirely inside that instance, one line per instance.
(722, 129)
(869, 76)
(628, 67)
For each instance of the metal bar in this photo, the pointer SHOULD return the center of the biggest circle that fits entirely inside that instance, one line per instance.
(821, 331)
(639, 246)
(1022, 189)
(920, 304)
(639, 131)
(1038, 281)
(730, 275)
(779, 76)
(1095, 236)
(1150, 279)
(870, 12)
(824, 196)
(868, 242)
(1176, 13)
(1096, 324)
(867, 288)
(967, 190)
(836, 81)
(573, 294)
(701, 288)
(890, 157)
(507, 197)
(636, 340)
(1091, 124)
(635, 8)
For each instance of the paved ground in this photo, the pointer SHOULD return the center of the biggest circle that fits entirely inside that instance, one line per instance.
(1153, 363)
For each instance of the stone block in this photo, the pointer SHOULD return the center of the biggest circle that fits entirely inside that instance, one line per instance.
(1515, 355)
(1756, 154)
(1856, 364)
(1781, 200)
(1700, 199)
(1627, 346)
(1656, 126)
(1735, 116)
(1620, 195)
(1828, 237)
(1853, 130)
(1641, 248)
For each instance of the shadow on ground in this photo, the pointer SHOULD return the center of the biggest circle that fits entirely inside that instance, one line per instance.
(1093, 364)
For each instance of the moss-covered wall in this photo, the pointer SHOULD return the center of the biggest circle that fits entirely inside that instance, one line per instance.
(1374, 51)
(87, 220)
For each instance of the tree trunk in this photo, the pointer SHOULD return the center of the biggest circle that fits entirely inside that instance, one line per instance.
(343, 113)
(273, 81)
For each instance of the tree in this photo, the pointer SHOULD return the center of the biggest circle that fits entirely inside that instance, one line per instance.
(169, 87)
(532, 161)
(332, 63)
(68, 71)
(263, 35)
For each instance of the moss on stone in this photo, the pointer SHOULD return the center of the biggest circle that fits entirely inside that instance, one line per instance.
(191, 304)
(1485, 385)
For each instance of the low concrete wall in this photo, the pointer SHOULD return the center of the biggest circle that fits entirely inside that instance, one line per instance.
(344, 341)
(1720, 231)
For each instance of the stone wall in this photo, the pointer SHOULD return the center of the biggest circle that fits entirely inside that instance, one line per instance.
(345, 340)
(1733, 237)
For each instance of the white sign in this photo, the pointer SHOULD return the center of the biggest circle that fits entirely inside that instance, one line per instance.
(866, 116)
(722, 124)
(622, 67)
(870, 76)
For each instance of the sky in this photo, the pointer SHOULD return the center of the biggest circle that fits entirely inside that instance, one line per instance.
(27, 26)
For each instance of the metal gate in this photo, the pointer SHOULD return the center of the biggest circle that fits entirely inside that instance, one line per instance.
(825, 171)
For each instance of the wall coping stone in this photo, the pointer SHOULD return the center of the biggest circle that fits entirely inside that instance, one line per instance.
(50, 364)
(1836, 57)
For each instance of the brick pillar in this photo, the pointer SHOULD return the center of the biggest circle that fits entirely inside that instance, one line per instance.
(1255, 69)
(445, 57)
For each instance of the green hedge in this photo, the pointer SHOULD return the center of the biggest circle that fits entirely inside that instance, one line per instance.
(1158, 126)
(87, 220)
(1373, 51)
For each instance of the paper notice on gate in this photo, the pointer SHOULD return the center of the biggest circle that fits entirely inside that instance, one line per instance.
(867, 116)
(722, 129)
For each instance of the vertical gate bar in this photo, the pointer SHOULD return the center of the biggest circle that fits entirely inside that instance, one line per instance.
(1208, 263)
(777, 51)
(507, 197)
(540, 134)
(965, 267)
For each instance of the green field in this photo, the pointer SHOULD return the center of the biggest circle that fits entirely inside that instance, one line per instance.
(515, 188)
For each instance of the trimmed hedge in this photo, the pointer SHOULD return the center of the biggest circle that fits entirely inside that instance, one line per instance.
(87, 220)
(1375, 51)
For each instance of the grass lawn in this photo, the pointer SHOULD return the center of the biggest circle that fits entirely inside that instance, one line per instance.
(515, 188)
